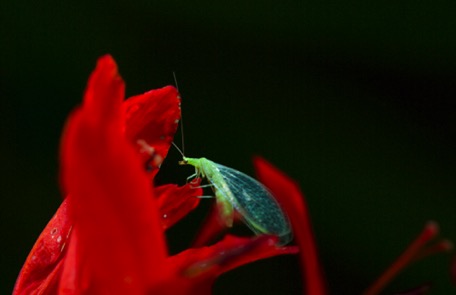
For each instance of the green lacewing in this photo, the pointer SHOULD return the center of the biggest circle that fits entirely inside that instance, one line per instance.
(236, 191)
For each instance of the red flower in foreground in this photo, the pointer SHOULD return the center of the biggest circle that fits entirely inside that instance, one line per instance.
(107, 237)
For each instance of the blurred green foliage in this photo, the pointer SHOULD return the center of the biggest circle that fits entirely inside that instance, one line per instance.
(356, 101)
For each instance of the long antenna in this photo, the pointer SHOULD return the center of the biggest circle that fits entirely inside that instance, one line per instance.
(181, 120)
(178, 149)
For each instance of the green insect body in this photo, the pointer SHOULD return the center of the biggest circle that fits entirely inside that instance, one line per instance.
(236, 191)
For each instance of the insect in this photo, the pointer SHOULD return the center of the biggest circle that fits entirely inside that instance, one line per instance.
(236, 191)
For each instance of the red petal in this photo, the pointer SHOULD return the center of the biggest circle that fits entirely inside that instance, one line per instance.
(38, 275)
(151, 122)
(290, 197)
(70, 277)
(119, 237)
(175, 202)
(233, 252)
(195, 270)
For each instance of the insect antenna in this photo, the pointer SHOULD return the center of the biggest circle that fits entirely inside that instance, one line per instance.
(182, 152)
(181, 120)
(178, 149)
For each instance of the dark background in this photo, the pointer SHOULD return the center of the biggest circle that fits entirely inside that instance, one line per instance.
(355, 101)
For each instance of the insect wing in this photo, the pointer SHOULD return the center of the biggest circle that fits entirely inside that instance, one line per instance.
(256, 204)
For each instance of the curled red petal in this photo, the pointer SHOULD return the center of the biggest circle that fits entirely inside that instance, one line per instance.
(292, 200)
(117, 226)
(175, 202)
(39, 275)
(151, 122)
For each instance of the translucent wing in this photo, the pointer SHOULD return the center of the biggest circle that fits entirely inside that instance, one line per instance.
(255, 203)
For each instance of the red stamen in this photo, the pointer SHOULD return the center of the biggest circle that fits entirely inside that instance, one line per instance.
(429, 232)
(453, 270)
(437, 247)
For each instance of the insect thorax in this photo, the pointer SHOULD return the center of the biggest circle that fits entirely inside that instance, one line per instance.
(204, 168)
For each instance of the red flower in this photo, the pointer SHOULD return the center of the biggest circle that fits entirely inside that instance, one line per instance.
(108, 235)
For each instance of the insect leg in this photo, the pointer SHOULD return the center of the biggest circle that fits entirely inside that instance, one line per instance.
(191, 177)
(205, 185)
